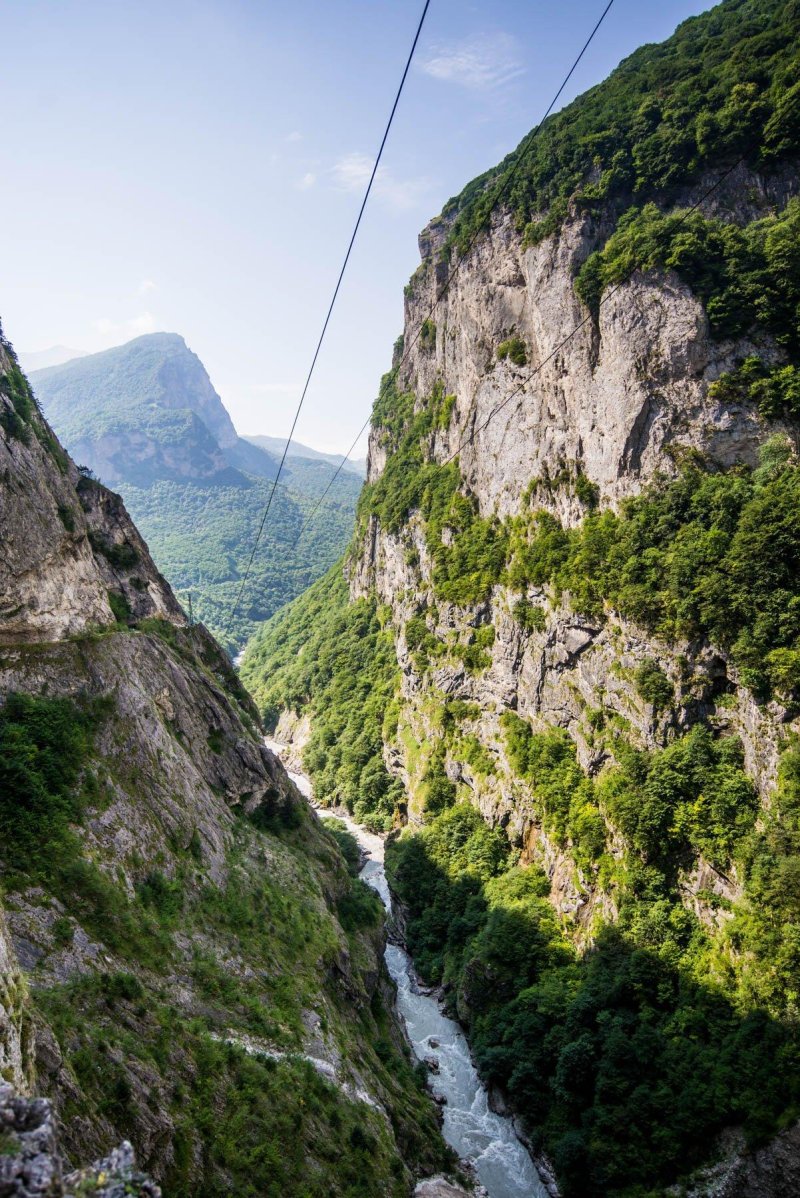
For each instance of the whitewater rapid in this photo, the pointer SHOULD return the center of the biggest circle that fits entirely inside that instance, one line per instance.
(487, 1140)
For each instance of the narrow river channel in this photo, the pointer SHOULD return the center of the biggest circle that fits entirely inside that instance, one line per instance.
(487, 1140)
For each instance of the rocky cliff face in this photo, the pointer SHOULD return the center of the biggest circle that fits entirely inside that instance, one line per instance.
(68, 543)
(16, 1039)
(163, 879)
(625, 400)
(621, 401)
(32, 1164)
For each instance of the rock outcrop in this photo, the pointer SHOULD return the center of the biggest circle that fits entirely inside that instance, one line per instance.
(614, 401)
(16, 1028)
(618, 403)
(68, 544)
(31, 1164)
(619, 398)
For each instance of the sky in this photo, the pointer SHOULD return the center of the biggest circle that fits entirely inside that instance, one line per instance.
(197, 167)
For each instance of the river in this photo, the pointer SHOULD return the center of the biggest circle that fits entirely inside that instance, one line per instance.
(487, 1140)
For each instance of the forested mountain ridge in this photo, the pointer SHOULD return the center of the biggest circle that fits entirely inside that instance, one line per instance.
(567, 652)
(145, 418)
(185, 959)
(148, 387)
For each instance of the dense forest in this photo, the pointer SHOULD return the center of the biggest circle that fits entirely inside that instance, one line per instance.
(201, 537)
(337, 652)
(724, 87)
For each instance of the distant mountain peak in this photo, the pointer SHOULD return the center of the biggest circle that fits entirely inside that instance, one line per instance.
(141, 410)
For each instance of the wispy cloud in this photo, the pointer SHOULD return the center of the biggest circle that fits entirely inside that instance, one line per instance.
(352, 172)
(308, 180)
(146, 286)
(295, 135)
(482, 62)
(135, 327)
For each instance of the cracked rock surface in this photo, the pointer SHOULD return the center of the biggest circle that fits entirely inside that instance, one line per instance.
(31, 1163)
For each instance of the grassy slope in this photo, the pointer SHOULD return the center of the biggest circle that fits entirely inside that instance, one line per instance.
(194, 966)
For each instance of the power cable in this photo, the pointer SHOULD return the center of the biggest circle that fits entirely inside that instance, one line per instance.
(246, 575)
(505, 180)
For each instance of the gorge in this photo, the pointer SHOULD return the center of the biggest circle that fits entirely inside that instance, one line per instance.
(562, 651)
(483, 1138)
(552, 687)
(179, 935)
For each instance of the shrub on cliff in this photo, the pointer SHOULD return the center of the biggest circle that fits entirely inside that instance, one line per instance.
(626, 1060)
(724, 85)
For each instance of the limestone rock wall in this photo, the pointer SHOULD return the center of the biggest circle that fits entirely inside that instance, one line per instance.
(66, 541)
(618, 401)
(16, 1027)
(174, 757)
(617, 398)
(31, 1162)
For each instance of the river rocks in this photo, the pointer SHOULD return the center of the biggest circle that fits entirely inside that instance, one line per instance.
(440, 1187)
(497, 1101)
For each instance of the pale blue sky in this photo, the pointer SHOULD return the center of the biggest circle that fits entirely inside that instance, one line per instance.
(197, 167)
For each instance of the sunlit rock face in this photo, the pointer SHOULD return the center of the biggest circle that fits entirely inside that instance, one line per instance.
(169, 795)
(619, 400)
(16, 1027)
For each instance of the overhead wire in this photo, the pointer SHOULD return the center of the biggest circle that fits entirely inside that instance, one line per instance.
(329, 313)
(576, 329)
(503, 184)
